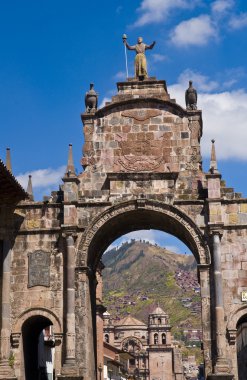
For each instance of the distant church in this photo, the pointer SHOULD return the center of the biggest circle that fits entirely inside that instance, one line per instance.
(153, 356)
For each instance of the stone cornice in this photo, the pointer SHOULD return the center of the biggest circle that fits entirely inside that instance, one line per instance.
(155, 100)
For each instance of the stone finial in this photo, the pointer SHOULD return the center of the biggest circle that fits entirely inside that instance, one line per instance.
(91, 99)
(213, 163)
(70, 171)
(191, 97)
(8, 160)
(30, 188)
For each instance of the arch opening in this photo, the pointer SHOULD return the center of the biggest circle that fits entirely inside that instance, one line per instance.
(132, 252)
(127, 217)
(108, 227)
(31, 331)
(241, 343)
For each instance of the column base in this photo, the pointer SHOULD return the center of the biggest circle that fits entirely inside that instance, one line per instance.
(6, 372)
(69, 371)
(222, 367)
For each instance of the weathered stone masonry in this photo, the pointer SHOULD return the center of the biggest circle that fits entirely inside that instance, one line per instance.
(142, 169)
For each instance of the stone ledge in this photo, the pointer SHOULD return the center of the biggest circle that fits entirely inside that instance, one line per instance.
(220, 376)
(68, 377)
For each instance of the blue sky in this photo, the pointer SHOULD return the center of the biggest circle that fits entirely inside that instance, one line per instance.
(161, 238)
(51, 50)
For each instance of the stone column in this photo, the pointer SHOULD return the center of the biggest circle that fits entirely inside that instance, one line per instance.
(221, 367)
(70, 305)
(100, 309)
(85, 352)
(204, 276)
(6, 372)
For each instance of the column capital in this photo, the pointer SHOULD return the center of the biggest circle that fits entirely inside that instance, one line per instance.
(215, 229)
(84, 270)
(203, 267)
(67, 233)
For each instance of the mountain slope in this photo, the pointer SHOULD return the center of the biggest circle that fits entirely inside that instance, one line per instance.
(139, 275)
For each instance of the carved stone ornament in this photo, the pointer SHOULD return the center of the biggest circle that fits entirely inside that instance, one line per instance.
(191, 97)
(141, 116)
(231, 335)
(91, 99)
(137, 155)
(38, 269)
(15, 339)
(131, 344)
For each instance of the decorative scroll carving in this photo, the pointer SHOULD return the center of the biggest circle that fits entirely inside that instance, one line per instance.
(141, 116)
(38, 269)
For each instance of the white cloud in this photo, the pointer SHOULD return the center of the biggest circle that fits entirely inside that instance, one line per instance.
(158, 57)
(197, 31)
(202, 82)
(238, 21)
(224, 119)
(104, 100)
(155, 11)
(43, 178)
(121, 75)
(176, 249)
(222, 6)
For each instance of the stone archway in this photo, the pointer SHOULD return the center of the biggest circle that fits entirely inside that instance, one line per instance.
(24, 339)
(111, 224)
(135, 215)
(237, 337)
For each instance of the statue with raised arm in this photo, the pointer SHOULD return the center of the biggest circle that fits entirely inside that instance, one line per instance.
(140, 59)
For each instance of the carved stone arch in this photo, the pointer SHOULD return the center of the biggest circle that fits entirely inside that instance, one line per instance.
(235, 316)
(136, 215)
(33, 312)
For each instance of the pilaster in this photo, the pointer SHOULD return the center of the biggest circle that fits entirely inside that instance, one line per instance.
(6, 372)
(85, 338)
(69, 366)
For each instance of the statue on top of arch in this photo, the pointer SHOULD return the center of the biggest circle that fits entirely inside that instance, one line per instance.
(140, 59)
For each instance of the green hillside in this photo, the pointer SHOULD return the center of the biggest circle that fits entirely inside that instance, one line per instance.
(139, 275)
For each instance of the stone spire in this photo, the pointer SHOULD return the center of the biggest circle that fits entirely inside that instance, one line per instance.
(30, 188)
(213, 163)
(8, 160)
(70, 171)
